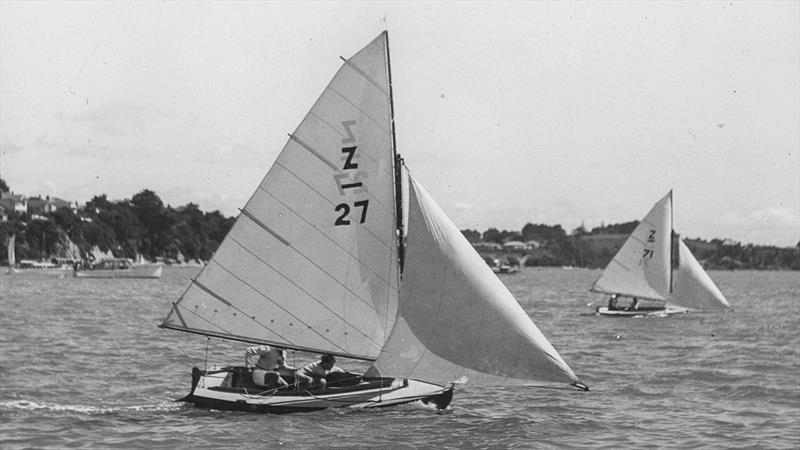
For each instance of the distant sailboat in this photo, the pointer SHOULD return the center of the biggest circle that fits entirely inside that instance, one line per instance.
(12, 259)
(642, 269)
(320, 260)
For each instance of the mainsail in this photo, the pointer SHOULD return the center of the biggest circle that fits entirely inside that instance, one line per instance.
(641, 268)
(692, 287)
(311, 262)
(456, 318)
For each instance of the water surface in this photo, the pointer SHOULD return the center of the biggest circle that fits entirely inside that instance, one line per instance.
(83, 364)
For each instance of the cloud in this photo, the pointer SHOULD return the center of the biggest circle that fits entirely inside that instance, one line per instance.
(10, 148)
(109, 153)
(119, 120)
(770, 217)
(234, 154)
(464, 207)
(774, 225)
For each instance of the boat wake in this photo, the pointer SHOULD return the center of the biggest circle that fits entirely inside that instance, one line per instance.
(91, 410)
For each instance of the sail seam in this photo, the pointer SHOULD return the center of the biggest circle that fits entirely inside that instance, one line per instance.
(371, 197)
(368, 154)
(218, 297)
(364, 113)
(274, 303)
(301, 289)
(365, 75)
(212, 293)
(298, 286)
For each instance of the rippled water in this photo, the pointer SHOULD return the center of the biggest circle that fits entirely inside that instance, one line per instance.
(83, 364)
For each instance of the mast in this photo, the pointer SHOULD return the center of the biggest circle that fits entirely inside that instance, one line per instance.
(671, 240)
(398, 168)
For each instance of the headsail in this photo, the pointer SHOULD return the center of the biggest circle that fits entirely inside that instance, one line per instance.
(692, 287)
(641, 268)
(456, 318)
(311, 262)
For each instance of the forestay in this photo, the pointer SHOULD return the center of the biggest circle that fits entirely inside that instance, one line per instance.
(693, 288)
(641, 268)
(311, 261)
(456, 318)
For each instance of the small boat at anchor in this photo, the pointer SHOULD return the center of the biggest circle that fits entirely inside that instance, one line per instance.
(119, 268)
(653, 278)
(341, 251)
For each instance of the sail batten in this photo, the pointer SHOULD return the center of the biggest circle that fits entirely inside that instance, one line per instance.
(365, 75)
(266, 228)
(211, 293)
(301, 143)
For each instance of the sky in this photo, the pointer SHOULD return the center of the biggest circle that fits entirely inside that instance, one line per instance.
(563, 113)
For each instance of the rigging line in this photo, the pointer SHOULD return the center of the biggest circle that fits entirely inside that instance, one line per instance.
(371, 197)
(287, 311)
(171, 336)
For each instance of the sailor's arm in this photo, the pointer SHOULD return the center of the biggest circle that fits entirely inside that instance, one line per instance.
(249, 353)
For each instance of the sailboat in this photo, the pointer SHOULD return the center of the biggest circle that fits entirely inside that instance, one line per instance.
(642, 270)
(12, 259)
(341, 251)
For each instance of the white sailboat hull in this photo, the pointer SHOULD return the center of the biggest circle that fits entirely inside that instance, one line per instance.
(143, 271)
(213, 389)
(645, 312)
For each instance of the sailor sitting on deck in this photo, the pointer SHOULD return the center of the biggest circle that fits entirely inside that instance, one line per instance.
(612, 303)
(269, 367)
(313, 375)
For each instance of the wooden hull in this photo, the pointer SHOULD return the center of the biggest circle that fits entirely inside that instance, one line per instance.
(214, 390)
(152, 271)
(645, 312)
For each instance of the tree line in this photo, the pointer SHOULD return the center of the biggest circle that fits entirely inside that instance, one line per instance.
(596, 247)
(141, 225)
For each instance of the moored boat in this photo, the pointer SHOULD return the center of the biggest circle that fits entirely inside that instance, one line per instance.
(119, 268)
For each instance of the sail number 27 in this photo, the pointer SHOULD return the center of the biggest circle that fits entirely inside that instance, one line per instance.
(344, 209)
(352, 184)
